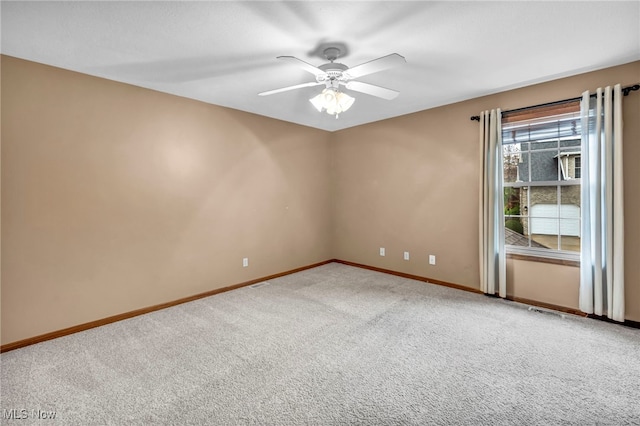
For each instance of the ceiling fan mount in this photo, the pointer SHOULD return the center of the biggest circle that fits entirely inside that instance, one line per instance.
(332, 53)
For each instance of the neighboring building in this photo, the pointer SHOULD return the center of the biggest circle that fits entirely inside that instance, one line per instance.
(541, 203)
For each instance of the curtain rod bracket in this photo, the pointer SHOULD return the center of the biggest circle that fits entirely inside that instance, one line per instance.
(627, 90)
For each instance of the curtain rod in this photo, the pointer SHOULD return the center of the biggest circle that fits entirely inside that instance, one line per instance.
(625, 92)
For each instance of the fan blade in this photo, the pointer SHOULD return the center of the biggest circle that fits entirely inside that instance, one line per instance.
(304, 65)
(376, 65)
(285, 89)
(370, 89)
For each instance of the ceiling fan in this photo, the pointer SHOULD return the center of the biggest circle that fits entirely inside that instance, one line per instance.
(333, 75)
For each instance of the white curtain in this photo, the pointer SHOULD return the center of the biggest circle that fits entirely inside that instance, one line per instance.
(492, 256)
(602, 243)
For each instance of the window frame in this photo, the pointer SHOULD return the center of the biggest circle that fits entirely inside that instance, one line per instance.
(577, 168)
(550, 255)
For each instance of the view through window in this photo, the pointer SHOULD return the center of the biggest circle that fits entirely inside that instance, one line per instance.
(541, 171)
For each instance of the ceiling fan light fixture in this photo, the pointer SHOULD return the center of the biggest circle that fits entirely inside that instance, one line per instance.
(332, 101)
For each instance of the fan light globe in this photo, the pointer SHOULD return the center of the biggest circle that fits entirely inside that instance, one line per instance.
(332, 101)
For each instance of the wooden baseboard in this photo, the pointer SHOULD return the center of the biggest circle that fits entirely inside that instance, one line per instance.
(545, 305)
(137, 312)
(464, 288)
(628, 323)
(632, 324)
(410, 276)
(92, 324)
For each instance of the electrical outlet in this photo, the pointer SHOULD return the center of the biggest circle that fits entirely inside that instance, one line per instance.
(245, 262)
(432, 259)
(381, 251)
(406, 255)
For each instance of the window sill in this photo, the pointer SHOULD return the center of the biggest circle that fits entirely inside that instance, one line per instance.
(543, 259)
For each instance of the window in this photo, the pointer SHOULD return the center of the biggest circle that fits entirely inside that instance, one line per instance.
(541, 176)
(567, 162)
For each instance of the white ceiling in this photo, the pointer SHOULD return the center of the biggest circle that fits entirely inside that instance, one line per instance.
(224, 52)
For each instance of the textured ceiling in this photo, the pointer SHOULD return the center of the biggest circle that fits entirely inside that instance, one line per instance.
(224, 53)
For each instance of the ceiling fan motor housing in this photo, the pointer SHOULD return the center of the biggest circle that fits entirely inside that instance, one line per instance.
(334, 74)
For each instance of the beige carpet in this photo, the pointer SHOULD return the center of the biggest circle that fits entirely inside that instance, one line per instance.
(334, 345)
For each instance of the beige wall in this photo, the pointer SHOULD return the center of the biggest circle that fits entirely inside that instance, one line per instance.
(554, 284)
(411, 184)
(118, 198)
